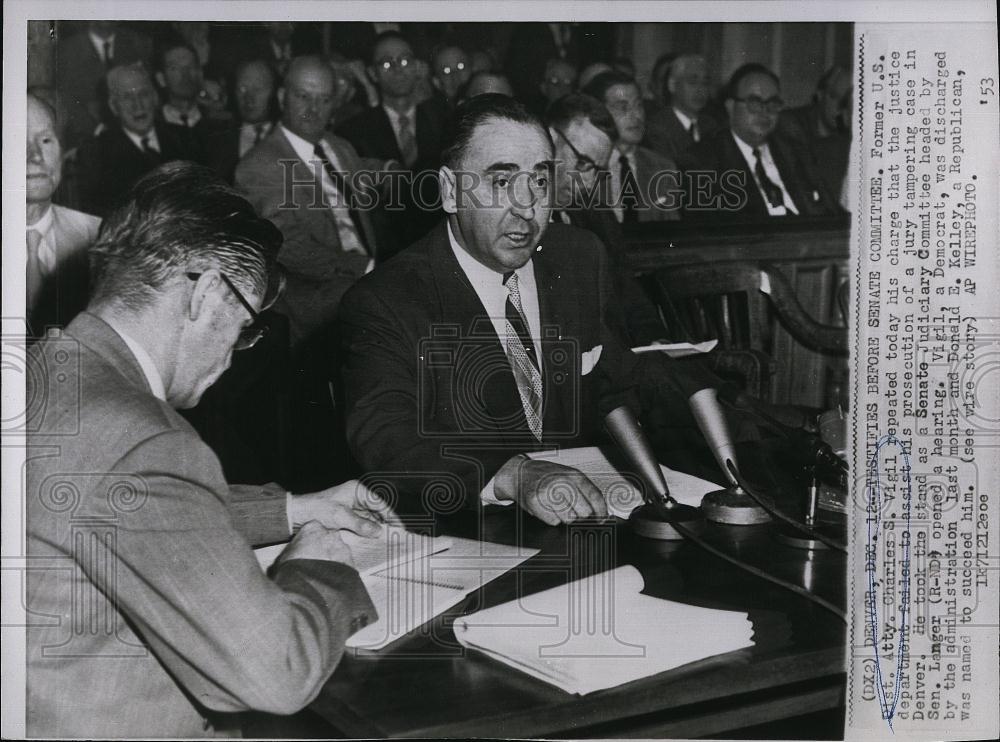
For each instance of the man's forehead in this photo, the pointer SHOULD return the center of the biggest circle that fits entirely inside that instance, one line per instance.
(129, 81)
(312, 78)
(179, 54)
(622, 91)
(392, 48)
(450, 55)
(499, 140)
(585, 136)
(39, 116)
(759, 84)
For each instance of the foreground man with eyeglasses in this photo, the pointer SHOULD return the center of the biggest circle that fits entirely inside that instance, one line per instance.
(757, 175)
(148, 614)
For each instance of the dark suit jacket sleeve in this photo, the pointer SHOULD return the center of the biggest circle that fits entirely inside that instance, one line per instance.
(232, 637)
(384, 426)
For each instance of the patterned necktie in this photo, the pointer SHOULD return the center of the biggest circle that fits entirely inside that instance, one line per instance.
(629, 188)
(35, 270)
(345, 192)
(407, 141)
(771, 190)
(521, 355)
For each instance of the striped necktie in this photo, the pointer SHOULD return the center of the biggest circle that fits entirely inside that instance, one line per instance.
(521, 355)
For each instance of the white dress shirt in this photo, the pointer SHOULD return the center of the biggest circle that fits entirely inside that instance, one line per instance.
(349, 239)
(788, 207)
(173, 115)
(687, 122)
(411, 116)
(150, 136)
(488, 285)
(615, 167)
(98, 43)
(46, 247)
(248, 135)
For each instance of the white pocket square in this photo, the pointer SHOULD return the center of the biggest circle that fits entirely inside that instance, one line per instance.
(589, 359)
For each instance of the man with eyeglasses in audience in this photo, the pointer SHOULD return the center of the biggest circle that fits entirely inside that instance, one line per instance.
(645, 185)
(757, 175)
(402, 130)
(583, 134)
(450, 71)
(164, 624)
(559, 80)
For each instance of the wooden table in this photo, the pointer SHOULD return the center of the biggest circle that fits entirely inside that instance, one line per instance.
(427, 685)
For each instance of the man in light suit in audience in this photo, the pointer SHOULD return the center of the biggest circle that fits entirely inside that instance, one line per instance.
(645, 184)
(329, 241)
(57, 237)
(490, 337)
(674, 129)
(159, 621)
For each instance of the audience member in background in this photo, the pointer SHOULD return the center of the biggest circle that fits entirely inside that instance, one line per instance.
(199, 36)
(559, 80)
(134, 144)
(681, 123)
(402, 130)
(591, 71)
(657, 76)
(424, 88)
(82, 60)
(821, 129)
(487, 82)
(57, 237)
(533, 44)
(348, 78)
(482, 60)
(451, 71)
(757, 174)
(254, 88)
(329, 243)
(623, 65)
(584, 134)
(645, 185)
(178, 73)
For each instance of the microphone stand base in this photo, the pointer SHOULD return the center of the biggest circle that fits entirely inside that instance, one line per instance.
(799, 540)
(733, 507)
(653, 521)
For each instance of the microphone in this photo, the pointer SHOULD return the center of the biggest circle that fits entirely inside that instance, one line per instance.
(731, 505)
(656, 517)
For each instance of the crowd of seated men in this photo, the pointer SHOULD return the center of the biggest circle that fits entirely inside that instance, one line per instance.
(263, 106)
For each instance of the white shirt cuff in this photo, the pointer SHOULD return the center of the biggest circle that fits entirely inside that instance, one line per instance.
(488, 497)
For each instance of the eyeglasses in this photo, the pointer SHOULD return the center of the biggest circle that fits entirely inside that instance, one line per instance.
(583, 163)
(759, 105)
(449, 70)
(389, 63)
(251, 334)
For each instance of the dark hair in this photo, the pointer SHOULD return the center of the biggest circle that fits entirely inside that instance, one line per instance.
(472, 113)
(600, 85)
(750, 68)
(575, 106)
(385, 36)
(168, 46)
(180, 217)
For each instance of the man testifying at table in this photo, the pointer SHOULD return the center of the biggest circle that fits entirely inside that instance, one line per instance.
(148, 613)
(488, 337)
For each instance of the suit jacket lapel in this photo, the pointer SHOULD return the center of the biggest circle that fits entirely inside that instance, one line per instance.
(305, 178)
(97, 335)
(558, 312)
(736, 161)
(350, 165)
(494, 388)
(383, 132)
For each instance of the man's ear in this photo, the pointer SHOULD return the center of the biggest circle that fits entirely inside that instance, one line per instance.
(371, 75)
(729, 108)
(202, 295)
(449, 189)
(160, 79)
(671, 86)
(281, 97)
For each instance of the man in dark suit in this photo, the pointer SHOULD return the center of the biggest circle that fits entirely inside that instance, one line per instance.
(400, 129)
(254, 88)
(58, 238)
(675, 128)
(756, 175)
(488, 337)
(111, 162)
(82, 60)
(162, 623)
(178, 73)
(584, 133)
(821, 130)
(643, 183)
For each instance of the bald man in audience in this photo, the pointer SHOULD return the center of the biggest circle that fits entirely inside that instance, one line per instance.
(57, 237)
(109, 163)
(676, 128)
(482, 83)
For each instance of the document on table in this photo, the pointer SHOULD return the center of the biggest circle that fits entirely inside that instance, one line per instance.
(601, 632)
(623, 492)
(677, 350)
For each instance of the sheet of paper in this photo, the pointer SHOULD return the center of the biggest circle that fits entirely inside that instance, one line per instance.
(621, 491)
(677, 350)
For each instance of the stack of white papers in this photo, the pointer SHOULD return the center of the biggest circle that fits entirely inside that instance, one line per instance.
(677, 350)
(601, 632)
(620, 491)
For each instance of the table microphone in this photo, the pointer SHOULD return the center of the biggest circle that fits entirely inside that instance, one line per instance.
(654, 519)
(732, 505)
